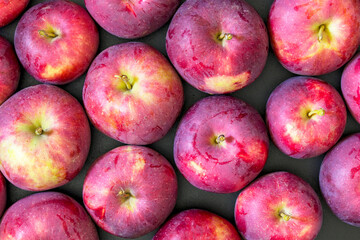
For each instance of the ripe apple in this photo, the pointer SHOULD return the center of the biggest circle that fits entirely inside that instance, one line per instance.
(44, 138)
(311, 37)
(306, 117)
(131, 19)
(221, 144)
(56, 41)
(217, 46)
(11, 9)
(3, 194)
(197, 224)
(9, 70)
(130, 191)
(278, 205)
(132, 93)
(340, 177)
(47, 215)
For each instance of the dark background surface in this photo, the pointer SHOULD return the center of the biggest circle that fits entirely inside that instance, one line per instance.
(255, 94)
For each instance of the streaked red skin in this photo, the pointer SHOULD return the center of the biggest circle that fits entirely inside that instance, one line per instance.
(47, 215)
(153, 184)
(340, 179)
(196, 54)
(143, 114)
(131, 19)
(11, 9)
(226, 168)
(63, 147)
(256, 209)
(313, 136)
(3, 194)
(196, 224)
(9, 70)
(295, 42)
(70, 54)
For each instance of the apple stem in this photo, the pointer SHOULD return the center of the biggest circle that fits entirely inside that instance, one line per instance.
(125, 79)
(226, 36)
(124, 195)
(319, 112)
(47, 34)
(284, 216)
(39, 131)
(321, 31)
(220, 139)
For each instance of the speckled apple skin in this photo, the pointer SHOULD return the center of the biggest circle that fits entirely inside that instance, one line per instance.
(257, 207)
(291, 130)
(231, 165)
(196, 224)
(293, 29)
(47, 215)
(146, 174)
(340, 179)
(131, 19)
(210, 65)
(65, 58)
(3, 194)
(143, 114)
(38, 163)
(9, 70)
(11, 9)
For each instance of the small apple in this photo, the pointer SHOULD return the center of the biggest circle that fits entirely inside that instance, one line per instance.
(11, 9)
(3, 194)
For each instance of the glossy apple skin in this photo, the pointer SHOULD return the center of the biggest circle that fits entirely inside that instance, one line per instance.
(258, 208)
(340, 177)
(40, 162)
(294, 28)
(62, 59)
(3, 194)
(207, 63)
(292, 130)
(230, 165)
(197, 224)
(9, 70)
(131, 19)
(47, 215)
(146, 112)
(139, 171)
(11, 9)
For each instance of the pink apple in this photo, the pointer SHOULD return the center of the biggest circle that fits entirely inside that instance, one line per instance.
(132, 93)
(44, 138)
(218, 46)
(279, 205)
(196, 224)
(47, 215)
(131, 19)
(311, 37)
(11, 9)
(9, 70)
(306, 117)
(56, 41)
(340, 177)
(3, 194)
(221, 144)
(130, 191)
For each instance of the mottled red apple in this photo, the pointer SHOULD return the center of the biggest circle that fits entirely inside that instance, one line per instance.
(11, 9)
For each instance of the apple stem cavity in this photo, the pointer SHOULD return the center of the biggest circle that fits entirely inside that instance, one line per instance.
(125, 79)
(321, 31)
(124, 195)
(47, 34)
(220, 139)
(226, 36)
(284, 216)
(39, 131)
(319, 112)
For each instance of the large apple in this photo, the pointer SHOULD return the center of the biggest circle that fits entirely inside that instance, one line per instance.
(311, 37)
(131, 19)
(306, 117)
(56, 41)
(3, 194)
(221, 144)
(130, 191)
(218, 46)
(9, 70)
(44, 138)
(47, 215)
(132, 93)
(11, 9)
(279, 205)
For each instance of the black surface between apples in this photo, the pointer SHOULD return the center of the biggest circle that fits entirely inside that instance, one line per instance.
(256, 94)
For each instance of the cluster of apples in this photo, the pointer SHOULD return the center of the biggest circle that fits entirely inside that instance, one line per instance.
(134, 95)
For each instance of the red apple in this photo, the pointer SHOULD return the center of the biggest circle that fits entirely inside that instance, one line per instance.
(306, 117)
(44, 138)
(9, 70)
(311, 37)
(218, 46)
(196, 224)
(56, 41)
(279, 205)
(221, 144)
(47, 215)
(131, 19)
(130, 191)
(3, 194)
(132, 93)
(11, 9)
